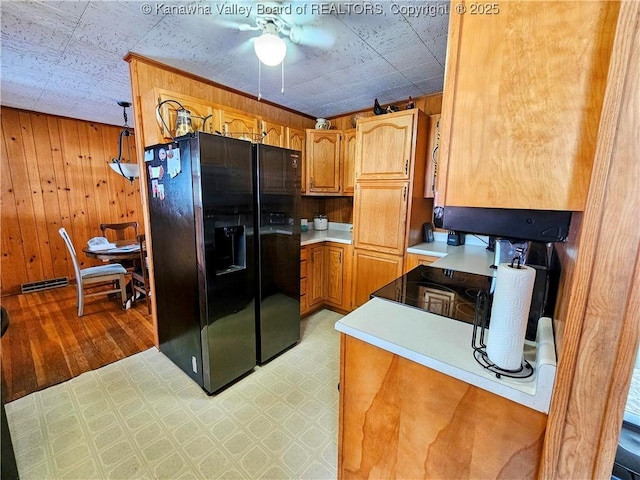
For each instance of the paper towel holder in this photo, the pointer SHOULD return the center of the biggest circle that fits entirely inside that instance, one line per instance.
(480, 348)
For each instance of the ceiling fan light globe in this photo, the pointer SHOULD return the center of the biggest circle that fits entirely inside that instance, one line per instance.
(270, 49)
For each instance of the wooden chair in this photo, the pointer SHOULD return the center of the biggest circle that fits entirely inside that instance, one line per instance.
(119, 229)
(140, 275)
(95, 276)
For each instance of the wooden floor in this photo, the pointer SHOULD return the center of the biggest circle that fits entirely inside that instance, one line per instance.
(47, 343)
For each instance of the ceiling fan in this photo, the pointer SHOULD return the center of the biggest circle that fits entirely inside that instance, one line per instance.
(274, 21)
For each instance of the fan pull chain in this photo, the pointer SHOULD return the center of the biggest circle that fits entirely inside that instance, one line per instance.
(259, 83)
(282, 87)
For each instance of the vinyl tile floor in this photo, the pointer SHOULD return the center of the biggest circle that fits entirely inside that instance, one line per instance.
(143, 418)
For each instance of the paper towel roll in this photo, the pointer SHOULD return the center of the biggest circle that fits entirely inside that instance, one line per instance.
(509, 315)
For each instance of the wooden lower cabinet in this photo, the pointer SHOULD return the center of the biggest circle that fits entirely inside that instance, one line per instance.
(399, 419)
(412, 260)
(372, 270)
(337, 274)
(315, 275)
(325, 276)
(304, 265)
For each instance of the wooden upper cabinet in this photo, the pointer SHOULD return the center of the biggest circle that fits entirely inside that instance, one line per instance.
(384, 146)
(380, 216)
(348, 161)
(295, 141)
(521, 112)
(323, 161)
(202, 115)
(431, 175)
(239, 125)
(274, 134)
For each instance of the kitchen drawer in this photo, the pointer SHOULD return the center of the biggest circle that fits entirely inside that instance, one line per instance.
(304, 254)
(303, 269)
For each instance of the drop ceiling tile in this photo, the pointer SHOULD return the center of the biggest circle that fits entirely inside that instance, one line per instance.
(431, 85)
(34, 24)
(433, 20)
(89, 60)
(410, 56)
(19, 94)
(438, 46)
(422, 72)
(71, 10)
(117, 37)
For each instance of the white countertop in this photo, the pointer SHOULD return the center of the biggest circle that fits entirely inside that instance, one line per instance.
(472, 257)
(444, 345)
(337, 232)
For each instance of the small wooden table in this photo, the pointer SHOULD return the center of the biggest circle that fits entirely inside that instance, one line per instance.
(124, 250)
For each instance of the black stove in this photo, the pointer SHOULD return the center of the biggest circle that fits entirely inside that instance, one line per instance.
(449, 293)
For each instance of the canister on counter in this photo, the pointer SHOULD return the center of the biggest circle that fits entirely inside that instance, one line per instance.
(320, 222)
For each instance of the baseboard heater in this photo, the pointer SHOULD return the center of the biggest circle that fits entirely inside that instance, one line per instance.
(45, 284)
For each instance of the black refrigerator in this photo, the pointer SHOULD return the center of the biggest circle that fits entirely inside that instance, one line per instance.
(224, 218)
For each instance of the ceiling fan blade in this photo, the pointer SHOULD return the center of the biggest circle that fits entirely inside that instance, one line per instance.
(312, 36)
(235, 25)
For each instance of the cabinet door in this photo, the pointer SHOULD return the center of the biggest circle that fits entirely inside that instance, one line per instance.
(239, 125)
(431, 175)
(295, 141)
(304, 265)
(380, 216)
(335, 258)
(370, 272)
(201, 113)
(522, 133)
(273, 134)
(323, 161)
(412, 260)
(384, 146)
(348, 161)
(315, 276)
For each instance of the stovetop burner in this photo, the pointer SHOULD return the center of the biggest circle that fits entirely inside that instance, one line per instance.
(443, 292)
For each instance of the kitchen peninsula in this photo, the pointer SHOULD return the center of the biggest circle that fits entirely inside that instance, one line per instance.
(415, 404)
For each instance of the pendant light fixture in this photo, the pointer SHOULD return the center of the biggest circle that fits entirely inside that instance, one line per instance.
(130, 171)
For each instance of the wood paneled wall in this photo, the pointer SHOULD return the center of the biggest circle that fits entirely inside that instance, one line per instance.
(55, 174)
(337, 209)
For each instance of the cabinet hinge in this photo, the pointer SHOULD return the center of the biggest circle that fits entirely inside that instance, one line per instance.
(404, 193)
(406, 167)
